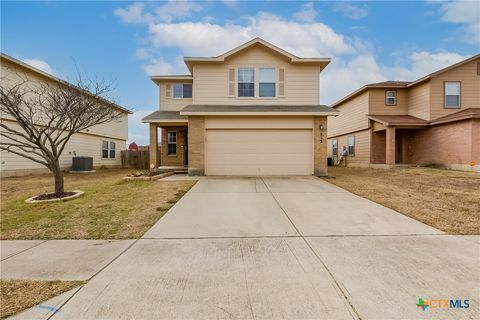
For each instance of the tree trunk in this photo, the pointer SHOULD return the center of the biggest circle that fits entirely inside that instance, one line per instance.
(58, 174)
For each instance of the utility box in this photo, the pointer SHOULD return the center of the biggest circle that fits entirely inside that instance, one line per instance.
(82, 164)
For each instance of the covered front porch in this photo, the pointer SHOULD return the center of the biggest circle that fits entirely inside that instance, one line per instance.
(170, 129)
(393, 139)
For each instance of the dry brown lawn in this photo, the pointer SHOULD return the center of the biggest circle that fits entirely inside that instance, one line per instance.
(110, 208)
(444, 199)
(18, 295)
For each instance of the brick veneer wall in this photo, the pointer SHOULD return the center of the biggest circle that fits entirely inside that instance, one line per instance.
(196, 145)
(178, 159)
(378, 147)
(445, 144)
(320, 146)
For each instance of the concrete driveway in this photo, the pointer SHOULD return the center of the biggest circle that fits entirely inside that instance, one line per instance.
(280, 248)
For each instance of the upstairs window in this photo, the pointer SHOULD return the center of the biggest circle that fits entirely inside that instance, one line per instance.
(182, 90)
(351, 145)
(246, 82)
(452, 95)
(390, 97)
(172, 143)
(267, 82)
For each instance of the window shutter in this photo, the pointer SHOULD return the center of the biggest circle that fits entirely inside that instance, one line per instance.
(281, 82)
(231, 82)
(168, 90)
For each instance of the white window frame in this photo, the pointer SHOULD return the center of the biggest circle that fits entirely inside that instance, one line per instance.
(352, 145)
(181, 90)
(274, 83)
(171, 142)
(109, 149)
(255, 91)
(335, 146)
(445, 95)
(394, 98)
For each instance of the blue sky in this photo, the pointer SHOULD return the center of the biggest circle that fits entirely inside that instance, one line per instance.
(126, 42)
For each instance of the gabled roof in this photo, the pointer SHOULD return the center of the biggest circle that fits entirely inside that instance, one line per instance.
(322, 62)
(436, 73)
(53, 78)
(377, 85)
(402, 84)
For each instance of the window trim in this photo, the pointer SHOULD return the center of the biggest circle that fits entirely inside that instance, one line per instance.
(180, 84)
(275, 83)
(255, 80)
(386, 98)
(348, 145)
(445, 95)
(109, 150)
(335, 154)
(172, 143)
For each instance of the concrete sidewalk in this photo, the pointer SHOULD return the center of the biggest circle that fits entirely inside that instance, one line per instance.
(57, 259)
(271, 248)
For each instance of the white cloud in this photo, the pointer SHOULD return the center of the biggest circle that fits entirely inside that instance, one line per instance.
(168, 12)
(39, 64)
(138, 131)
(306, 14)
(199, 38)
(466, 13)
(133, 14)
(176, 10)
(343, 77)
(230, 3)
(351, 11)
(158, 66)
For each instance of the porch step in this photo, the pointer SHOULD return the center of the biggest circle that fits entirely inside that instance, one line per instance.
(175, 169)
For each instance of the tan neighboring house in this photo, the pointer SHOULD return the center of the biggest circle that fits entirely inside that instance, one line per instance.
(434, 120)
(103, 142)
(251, 111)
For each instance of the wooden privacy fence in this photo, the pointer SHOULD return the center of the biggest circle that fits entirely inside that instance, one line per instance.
(139, 159)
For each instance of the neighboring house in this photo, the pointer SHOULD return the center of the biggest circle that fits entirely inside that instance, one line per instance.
(433, 120)
(103, 142)
(251, 111)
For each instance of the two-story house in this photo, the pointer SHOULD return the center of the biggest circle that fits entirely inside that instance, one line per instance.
(254, 110)
(102, 142)
(433, 120)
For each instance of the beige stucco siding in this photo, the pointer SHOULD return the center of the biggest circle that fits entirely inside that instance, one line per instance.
(352, 117)
(419, 101)
(470, 92)
(211, 81)
(79, 144)
(378, 106)
(170, 103)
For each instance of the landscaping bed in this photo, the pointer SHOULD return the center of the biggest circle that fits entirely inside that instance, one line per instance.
(111, 208)
(445, 199)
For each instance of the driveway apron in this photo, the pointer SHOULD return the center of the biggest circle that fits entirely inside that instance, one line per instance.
(282, 248)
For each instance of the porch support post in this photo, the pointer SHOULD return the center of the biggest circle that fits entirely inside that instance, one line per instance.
(153, 145)
(390, 146)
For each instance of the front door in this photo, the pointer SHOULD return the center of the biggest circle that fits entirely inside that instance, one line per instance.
(398, 148)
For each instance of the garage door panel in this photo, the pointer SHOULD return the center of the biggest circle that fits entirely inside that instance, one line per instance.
(259, 152)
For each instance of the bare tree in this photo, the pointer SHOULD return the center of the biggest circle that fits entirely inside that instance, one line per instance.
(47, 114)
